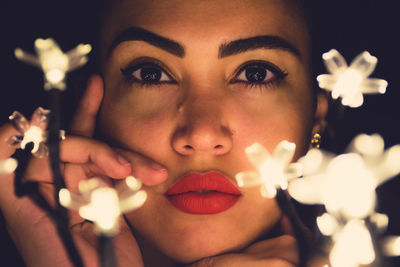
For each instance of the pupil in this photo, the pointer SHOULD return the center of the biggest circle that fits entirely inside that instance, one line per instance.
(150, 74)
(256, 74)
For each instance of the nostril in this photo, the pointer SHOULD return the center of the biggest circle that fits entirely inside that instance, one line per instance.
(218, 147)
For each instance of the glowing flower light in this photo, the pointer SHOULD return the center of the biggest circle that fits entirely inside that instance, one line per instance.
(346, 185)
(350, 82)
(274, 171)
(102, 204)
(353, 245)
(33, 131)
(8, 165)
(53, 62)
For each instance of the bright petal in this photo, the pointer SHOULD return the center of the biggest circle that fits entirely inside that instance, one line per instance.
(306, 190)
(268, 191)
(367, 145)
(256, 154)
(390, 166)
(353, 246)
(327, 81)
(315, 161)
(40, 118)
(19, 121)
(8, 165)
(364, 63)
(283, 152)
(71, 200)
(327, 224)
(43, 151)
(248, 178)
(391, 246)
(380, 220)
(374, 86)
(293, 171)
(133, 202)
(334, 61)
(76, 56)
(354, 102)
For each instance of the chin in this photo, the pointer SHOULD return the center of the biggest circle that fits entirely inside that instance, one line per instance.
(202, 245)
(194, 241)
(186, 238)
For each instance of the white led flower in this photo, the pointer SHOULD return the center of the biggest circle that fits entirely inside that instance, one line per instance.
(350, 82)
(102, 204)
(53, 62)
(346, 184)
(8, 165)
(274, 171)
(31, 131)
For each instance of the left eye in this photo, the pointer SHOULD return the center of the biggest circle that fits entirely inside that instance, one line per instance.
(259, 73)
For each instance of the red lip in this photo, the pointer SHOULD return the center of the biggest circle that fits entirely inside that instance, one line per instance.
(203, 194)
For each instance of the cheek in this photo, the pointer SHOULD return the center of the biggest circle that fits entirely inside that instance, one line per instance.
(138, 122)
(276, 118)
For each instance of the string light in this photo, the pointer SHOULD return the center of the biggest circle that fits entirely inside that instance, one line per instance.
(53, 62)
(274, 171)
(8, 166)
(346, 185)
(102, 204)
(350, 82)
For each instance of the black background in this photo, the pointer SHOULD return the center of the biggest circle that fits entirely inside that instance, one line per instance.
(349, 26)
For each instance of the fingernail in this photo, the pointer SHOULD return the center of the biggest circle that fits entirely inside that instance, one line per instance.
(157, 167)
(122, 160)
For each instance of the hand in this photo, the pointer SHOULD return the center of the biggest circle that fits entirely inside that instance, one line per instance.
(280, 251)
(275, 252)
(31, 229)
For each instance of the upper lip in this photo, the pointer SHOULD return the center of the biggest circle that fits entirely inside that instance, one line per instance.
(211, 181)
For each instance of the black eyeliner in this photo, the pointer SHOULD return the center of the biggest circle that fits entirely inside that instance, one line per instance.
(145, 62)
(278, 72)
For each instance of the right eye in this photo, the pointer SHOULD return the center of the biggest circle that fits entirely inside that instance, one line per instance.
(147, 74)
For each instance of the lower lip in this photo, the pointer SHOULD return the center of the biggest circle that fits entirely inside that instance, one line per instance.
(203, 203)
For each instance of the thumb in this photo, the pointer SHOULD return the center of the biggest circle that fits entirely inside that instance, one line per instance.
(84, 121)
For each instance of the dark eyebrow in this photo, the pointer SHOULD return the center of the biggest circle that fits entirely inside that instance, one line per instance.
(140, 34)
(265, 41)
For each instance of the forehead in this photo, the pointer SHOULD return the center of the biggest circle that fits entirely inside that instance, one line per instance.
(205, 23)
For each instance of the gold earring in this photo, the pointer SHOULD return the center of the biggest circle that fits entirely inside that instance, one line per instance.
(316, 140)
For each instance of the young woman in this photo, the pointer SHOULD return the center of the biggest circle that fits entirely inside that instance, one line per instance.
(186, 86)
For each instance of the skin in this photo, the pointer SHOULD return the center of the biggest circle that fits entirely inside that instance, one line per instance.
(203, 122)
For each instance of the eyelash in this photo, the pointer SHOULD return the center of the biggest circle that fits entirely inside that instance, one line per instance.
(129, 74)
(279, 74)
(164, 78)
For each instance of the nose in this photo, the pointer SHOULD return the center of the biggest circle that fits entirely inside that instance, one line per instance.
(202, 129)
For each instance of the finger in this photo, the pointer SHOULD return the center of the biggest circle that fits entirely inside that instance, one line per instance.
(84, 121)
(80, 150)
(145, 169)
(6, 132)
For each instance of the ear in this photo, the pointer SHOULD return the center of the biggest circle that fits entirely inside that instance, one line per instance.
(320, 113)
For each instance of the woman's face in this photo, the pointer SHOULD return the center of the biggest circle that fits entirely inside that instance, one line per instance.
(191, 84)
